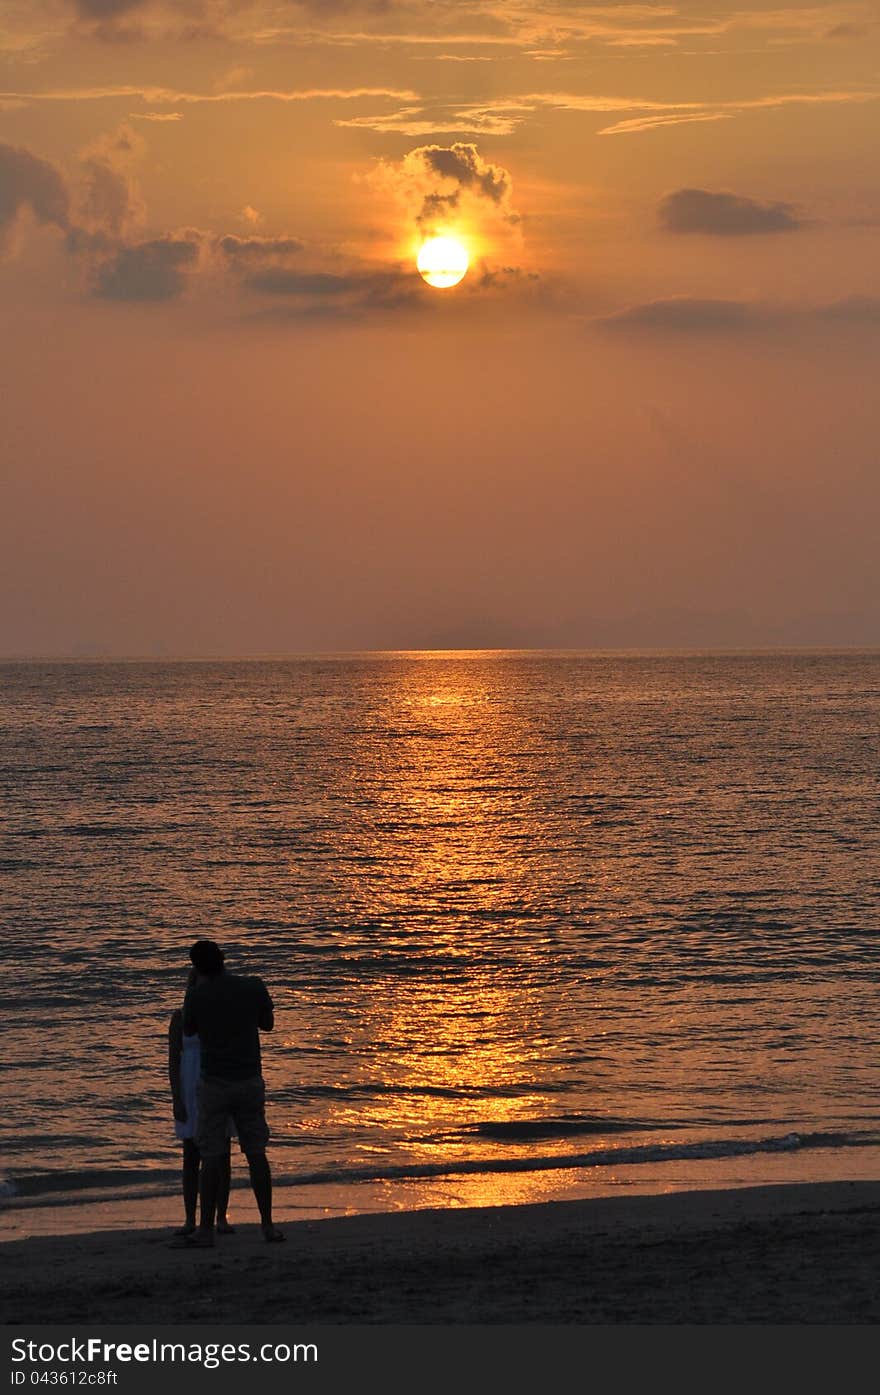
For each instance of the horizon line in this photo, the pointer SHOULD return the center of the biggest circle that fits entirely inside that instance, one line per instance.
(282, 656)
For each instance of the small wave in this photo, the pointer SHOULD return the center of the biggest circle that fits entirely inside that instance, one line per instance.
(60, 1188)
(524, 1130)
(603, 1157)
(104, 830)
(108, 1180)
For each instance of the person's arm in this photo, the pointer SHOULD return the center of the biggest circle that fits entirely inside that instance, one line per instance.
(175, 1052)
(266, 1016)
(190, 1024)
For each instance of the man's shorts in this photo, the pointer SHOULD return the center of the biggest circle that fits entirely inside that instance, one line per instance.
(244, 1101)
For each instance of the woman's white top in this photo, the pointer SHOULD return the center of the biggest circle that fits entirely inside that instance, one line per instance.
(190, 1068)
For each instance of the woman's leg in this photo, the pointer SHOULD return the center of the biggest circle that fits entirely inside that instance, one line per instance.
(190, 1178)
(223, 1226)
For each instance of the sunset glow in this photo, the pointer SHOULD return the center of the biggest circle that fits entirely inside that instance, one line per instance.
(651, 360)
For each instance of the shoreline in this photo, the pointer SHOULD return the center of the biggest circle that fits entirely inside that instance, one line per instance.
(780, 1253)
(147, 1205)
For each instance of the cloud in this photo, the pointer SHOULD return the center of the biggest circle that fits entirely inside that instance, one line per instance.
(335, 7)
(523, 24)
(364, 290)
(536, 27)
(105, 208)
(724, 215)
(26, 181)
(120, 266)
(282, 281)
(462, 164)
(503, 116)
(257, 249)
(417, 121)
(154, 270)
(158, 96)
(717, 111)
(101, 216)
(86, 242)
(108, 200)
(106, 9)
(108, 196)
(334, 295)
(669, 113)
(437, 209)
(443, 117)
(653, 123)
(696, 315)
(438, 184)
(504, 278)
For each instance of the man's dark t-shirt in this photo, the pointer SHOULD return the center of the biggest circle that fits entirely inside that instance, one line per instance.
(227, 1012)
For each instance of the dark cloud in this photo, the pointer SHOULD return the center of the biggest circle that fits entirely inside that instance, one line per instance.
(106, 9)
(323, 7)
(257, 249)
(147, 271)
(116, 21)
(117, 268)
(280, 281)
(504, 278)
(462, 163)
(422, 179)
(688, 314)
(26, 181)
(348, 293)
(437, 207)
(119, 263)
(103, 13)
(89, 242)
(361, 290)
(724, 215)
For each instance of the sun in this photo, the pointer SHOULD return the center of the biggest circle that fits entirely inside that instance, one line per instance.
(442, 261)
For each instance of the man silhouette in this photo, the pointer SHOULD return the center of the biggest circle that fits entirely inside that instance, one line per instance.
(228, 1011)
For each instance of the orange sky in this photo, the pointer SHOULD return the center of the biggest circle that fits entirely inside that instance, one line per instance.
(236, 421)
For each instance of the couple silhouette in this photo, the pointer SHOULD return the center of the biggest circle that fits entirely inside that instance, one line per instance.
(218, 1092)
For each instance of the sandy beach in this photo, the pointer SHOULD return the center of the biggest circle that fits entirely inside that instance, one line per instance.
(803, 1253)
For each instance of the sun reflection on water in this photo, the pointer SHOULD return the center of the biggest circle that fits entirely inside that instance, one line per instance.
(453, 1033)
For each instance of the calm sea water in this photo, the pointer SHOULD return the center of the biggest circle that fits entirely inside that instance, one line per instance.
(516, 910)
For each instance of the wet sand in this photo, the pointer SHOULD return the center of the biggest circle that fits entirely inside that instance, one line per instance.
(804, 1253)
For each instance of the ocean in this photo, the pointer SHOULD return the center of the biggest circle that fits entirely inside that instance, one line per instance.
(565, 917)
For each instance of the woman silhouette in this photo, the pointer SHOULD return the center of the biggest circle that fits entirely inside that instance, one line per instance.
(184, 1064)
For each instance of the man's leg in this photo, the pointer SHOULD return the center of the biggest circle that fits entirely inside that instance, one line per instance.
(261, 1181)
(249, 1116)
(223, 1226)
